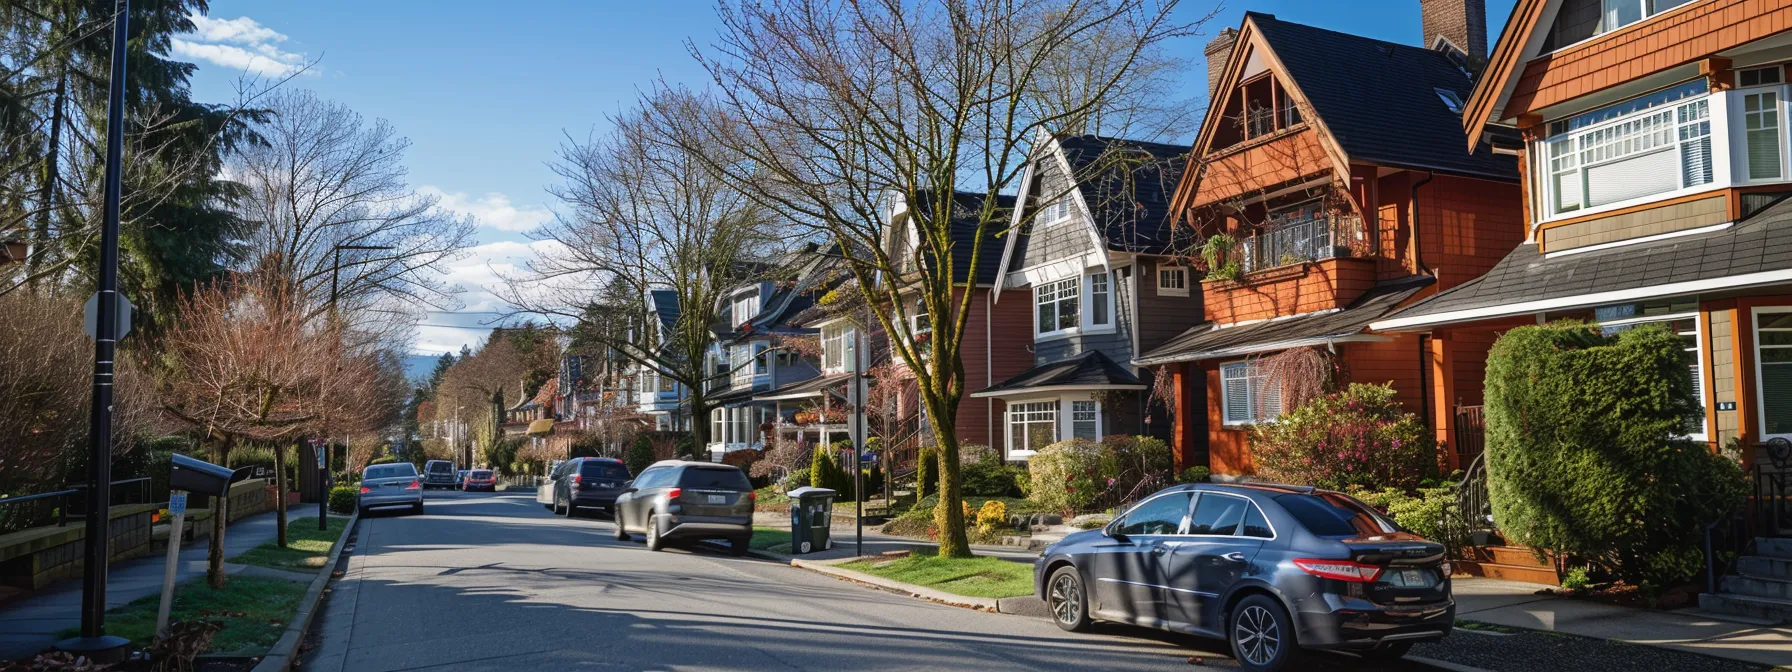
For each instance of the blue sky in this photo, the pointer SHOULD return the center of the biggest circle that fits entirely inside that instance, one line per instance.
(486, 91)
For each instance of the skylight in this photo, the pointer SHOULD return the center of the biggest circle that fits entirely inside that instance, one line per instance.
(1451, 100)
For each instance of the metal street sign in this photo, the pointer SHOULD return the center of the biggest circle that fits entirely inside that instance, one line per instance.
(319, 447)
(177, 503)
(91, 315)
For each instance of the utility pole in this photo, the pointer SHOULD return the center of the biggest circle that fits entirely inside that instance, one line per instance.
(93, 642)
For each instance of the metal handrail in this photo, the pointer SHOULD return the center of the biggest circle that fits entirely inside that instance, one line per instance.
(61, 508)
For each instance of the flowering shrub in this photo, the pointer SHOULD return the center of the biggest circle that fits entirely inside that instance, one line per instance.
(1357, 438)
(992, 516)
(1066, 476)
(1133, 467)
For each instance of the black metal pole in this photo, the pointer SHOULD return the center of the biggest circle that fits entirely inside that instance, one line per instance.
(93, 640)
(323, 461)
(860, 357)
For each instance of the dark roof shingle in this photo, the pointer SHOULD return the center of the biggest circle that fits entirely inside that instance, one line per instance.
(1090, 369)
(1208, 341)
(1128, 185)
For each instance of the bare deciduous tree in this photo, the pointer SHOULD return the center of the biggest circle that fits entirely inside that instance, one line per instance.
(834, 113)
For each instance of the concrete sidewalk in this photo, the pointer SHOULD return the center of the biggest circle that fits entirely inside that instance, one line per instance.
(1518, 605)
(29, 626)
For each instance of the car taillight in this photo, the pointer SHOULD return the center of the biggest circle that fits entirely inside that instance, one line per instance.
(578, 478)
(752, 496)
(1342, 570)
(413, 486)
(674, 493)
(365, 489)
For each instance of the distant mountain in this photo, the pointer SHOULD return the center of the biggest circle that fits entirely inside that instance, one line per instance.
(417, 367)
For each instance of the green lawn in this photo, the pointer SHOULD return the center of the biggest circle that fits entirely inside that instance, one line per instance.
(972, 577)
(254, 613)
(774, 539)
(306, 548)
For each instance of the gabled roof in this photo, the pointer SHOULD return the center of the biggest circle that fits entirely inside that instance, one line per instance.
(1091, 370)
(965, 208)
(1502, 69)
(1210, 341)
(1127, 185)
(665, 304)
(789, 299)
(1378, 100)
(1756, 251)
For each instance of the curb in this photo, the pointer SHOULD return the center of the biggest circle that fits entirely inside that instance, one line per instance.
(281, 656)
(1025, 605)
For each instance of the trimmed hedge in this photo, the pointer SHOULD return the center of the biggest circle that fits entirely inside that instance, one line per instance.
(1582, 454)
(344, 498)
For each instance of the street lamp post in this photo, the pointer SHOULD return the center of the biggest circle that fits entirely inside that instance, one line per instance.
(93, 641)
(323, 463)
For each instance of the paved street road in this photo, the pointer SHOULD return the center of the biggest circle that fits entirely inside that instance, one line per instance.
(495, 582)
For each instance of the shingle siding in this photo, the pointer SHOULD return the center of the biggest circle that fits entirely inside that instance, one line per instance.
(1650, 222)
(1047, 242)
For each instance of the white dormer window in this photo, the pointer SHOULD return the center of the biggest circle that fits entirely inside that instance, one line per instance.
(1172, 281)
(1056, 211)
(746, 306)
(837, 348)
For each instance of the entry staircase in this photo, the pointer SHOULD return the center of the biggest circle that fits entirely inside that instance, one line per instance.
(1489, 556)
(1759, 587)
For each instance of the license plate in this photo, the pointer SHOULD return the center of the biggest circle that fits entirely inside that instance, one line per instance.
(606, 485)
(1412, 577)
(718, 499)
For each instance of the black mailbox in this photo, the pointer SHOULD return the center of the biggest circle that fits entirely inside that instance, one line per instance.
(202, 477)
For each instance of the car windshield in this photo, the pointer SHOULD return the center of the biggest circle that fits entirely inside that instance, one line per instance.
(610, 470)
(707, 477)
(479, 474)
(1335, 515)
(390, 471)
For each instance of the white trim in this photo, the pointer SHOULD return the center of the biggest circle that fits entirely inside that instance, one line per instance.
(1760, 389)
(1645, 239)
(1261, 347)
(1595, 299)
(1051, 271)
(1177, 271)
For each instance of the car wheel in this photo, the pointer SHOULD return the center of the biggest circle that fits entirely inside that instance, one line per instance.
(621, 532)
(1388, 652)
(1262, 635)
(739, 545)
(1066, 599)
(654, 542)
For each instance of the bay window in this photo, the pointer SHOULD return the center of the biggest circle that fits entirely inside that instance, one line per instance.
(1058, 307)
(1032, 425)
(1649, 145)
(1249, 395)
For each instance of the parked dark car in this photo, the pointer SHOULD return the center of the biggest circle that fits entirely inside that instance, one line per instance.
(587, 483)
(438, 474)
(674, 500)
(396, 484)
(1272, 569)
(480, 480)
(460, 478)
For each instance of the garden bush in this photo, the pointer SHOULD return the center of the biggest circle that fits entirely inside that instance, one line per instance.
(1066, 476)
(383, 459)
(1582, 454)
(1430, 513)
(798, 477)
(992, 517)
(1356, 438)
(745, 458)
(344, 498)
(1134, 466)
(991, 477)
(640, 455)
(1195, 474)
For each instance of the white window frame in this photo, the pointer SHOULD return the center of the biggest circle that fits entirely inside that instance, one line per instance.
(1644, 16)
(1581, 150)
(1058, 210)
(1698, 350)
(1256, 381)
(837, 342)
(1016, 440)
(1178, 281)
(1084, 293)
(1109, 280)
(1093, 412)
(1059, 291)
(1760, 367)
(1777, 116)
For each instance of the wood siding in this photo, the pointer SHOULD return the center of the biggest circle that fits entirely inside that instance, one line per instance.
(1258, 168)
(1665, 218)
(1046, 242)
(1678, 37)
(1289, 290)
(1162, 317)
(998, 356)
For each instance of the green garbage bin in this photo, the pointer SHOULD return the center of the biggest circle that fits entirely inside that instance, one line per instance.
(811, 512)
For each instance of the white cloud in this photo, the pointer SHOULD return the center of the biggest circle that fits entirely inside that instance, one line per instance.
(492, 210)
(481, 274)
(240, 44)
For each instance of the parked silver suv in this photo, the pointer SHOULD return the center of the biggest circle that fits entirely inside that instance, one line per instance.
(687, 500)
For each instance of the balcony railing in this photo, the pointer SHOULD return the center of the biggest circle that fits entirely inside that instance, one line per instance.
(1296, 241)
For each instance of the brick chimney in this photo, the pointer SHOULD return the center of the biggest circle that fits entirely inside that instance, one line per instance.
(1463, 23)
(1219, 50)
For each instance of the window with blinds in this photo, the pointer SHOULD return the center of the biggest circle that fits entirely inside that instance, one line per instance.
(1250, 397)
(1761, 134)
(1649, 145)
(1773, 333)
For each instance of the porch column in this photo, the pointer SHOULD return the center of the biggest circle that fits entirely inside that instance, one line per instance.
(1183, 428)
(1443, 396)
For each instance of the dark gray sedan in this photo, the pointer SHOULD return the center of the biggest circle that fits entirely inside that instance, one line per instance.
(389, 485)
(1272, 569)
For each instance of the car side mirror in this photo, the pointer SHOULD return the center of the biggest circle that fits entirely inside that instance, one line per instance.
(1112, 531)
